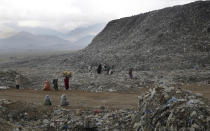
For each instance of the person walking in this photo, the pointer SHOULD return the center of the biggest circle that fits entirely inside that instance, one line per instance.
(66, 82)
(99, 69)
(17, 81)
(55, 83)
(107, 69)
(130, 72)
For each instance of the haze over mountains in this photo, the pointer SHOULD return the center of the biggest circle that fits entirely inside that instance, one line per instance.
(47, 39)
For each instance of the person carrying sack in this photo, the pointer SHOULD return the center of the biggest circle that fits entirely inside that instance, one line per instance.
(67, 75)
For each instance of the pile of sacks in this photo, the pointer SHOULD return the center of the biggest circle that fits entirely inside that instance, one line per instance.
(64, 101)
(172, 109)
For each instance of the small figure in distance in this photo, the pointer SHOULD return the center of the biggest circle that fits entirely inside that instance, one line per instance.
(18, 81)
(107, 69)
(89, 68)
(130, 73)
(55, 83)
(67, 75)
(99, 69)
(46, 86)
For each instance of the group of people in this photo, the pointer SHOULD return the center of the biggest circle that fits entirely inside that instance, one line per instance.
(106, 68)
(19, 84)
(67, 76)
(46, 86)
(64, 101)
(109, 70)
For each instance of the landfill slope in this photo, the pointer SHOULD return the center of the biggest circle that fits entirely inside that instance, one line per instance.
(172, 109)
(167, 46)
(167, 39)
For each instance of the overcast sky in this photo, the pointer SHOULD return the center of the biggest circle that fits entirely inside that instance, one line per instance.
(65, 15)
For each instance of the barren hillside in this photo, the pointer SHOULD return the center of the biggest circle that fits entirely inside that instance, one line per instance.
(167, 46)
(167, 39)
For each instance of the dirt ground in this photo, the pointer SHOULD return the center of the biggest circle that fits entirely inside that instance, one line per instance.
(77, 99)
(89, 100)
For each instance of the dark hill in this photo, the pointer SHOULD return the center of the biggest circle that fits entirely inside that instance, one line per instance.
(167, 39)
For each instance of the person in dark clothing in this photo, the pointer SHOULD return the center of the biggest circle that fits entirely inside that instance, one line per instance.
(107, 69)
(130, 72)
(17, 81)
(66, 82)
(99, 69)
(55, 83)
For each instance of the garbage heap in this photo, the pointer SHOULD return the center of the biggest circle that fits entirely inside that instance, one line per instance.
(172, 109)
(28, 116)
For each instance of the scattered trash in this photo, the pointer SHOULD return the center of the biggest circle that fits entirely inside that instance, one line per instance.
(171, 111)
(4, 87)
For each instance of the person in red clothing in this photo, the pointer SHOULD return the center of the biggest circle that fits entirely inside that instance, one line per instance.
(66, 82)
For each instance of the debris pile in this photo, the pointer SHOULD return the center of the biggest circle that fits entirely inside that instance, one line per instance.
(29, 116)
(7, 79)
(172, 109)
(161, 108)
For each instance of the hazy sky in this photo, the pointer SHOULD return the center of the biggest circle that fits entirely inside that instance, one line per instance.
(63, 15)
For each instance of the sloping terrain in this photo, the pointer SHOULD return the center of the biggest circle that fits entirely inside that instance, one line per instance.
(167, 46)
(167, 39)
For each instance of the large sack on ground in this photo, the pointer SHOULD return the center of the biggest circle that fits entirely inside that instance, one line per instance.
(64, 101)
(47, 100)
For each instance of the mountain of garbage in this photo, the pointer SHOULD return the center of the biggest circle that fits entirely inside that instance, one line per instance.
(167, 39)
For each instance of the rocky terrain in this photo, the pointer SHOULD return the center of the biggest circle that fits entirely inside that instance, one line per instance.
(168, 49)
(168, 39)
(165, 46)
(160, 108)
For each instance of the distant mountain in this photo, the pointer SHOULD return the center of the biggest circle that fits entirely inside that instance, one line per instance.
(38, 31)
(84, 41)
(80, 36)
(82, 32)
(28, 41)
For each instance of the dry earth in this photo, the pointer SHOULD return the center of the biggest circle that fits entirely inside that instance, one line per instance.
(78, 99)
(90, 100)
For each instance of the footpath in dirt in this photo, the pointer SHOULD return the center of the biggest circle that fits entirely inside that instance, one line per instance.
(77, 99)
(88, 100)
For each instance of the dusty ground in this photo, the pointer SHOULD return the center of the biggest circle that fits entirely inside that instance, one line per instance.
(195, 88)
(88, 100)
(78, 99)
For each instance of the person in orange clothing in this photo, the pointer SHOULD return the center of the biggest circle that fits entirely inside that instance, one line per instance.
(46, 86)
